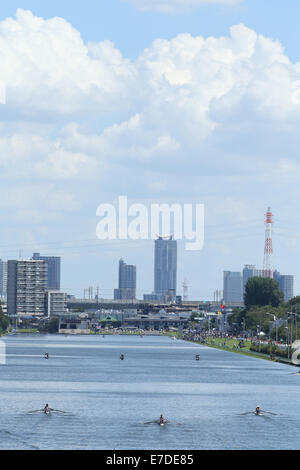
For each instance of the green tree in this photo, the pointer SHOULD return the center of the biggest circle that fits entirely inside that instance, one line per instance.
(294, 304)
(237, 316)
(49, 326)
(53, 325)
(3, 321)
(263, 317)
(262, 291)
(281, 333)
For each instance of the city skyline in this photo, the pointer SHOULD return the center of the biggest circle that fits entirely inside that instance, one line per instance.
(165, 276)
(151, 115)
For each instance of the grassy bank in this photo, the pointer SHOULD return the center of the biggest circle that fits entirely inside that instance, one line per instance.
(28, 330)
(232, 345)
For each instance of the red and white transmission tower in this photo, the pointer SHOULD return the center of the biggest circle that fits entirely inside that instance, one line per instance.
(268, 254)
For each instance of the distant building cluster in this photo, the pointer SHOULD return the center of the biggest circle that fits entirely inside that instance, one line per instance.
(234, 283)
(32, 286)
(165, 274)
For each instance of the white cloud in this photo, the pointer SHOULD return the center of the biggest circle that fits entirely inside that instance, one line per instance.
(176, 5)
(46, 66)
(197, 96)
(191, 116)
(30, 155)
(213, 120)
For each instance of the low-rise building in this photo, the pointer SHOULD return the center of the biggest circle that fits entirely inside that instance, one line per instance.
(74, 325)
(55, 303)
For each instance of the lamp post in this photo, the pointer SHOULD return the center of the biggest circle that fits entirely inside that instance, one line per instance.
(276, 325)
(293, 315)
(258, 333)
(288, 333)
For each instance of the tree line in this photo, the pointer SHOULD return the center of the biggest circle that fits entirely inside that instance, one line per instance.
(264, 302)
(3, 321)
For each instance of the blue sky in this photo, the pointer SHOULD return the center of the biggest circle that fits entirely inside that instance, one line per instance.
(112, 100)
(133, 30)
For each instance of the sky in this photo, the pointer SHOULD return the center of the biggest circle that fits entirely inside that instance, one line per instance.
(164, 101)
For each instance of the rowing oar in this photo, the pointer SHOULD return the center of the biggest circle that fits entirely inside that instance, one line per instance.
(270, 412)
(157, 422)
(34, 411)
(60, 411)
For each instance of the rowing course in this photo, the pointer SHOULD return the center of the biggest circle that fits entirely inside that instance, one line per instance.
(110, 400)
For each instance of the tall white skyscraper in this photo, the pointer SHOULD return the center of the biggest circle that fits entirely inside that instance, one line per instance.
(165, 267)
(3, 278)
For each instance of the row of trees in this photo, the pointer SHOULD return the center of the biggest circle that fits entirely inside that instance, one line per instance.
(3, 321)
(264, 302)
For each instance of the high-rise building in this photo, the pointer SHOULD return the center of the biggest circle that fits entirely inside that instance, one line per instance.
(53, 263)
(277, 276)
(3, 278)
(127, 282)
(286, 284)
(249, 271)
(26, 287)
(232, 287)
(165, 267)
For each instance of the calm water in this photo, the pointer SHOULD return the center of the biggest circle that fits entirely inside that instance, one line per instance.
(110, 400)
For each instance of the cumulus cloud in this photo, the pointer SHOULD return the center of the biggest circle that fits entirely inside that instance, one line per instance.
(197, 96)
(189, 105)
(193, 118)
(30, 155)
(176, 5)
(46, 66)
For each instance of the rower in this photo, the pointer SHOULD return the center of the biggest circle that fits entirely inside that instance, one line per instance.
(47, 409)
(161, 420)
(258, 410)
(197, 357)
(46, 355)
(122, 357)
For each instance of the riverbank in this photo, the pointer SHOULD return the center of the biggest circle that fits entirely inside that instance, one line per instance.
(130, 333)
(232, 345)
(92, 333)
